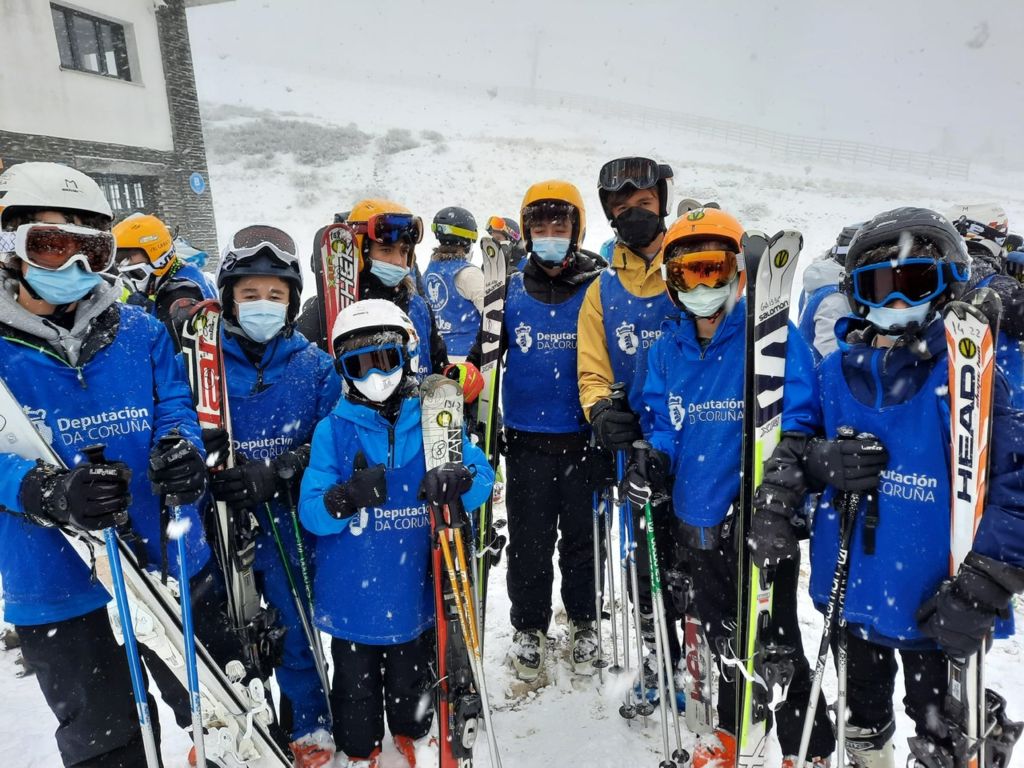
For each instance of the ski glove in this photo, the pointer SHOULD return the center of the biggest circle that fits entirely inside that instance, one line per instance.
(614, 428)
(217, 443)
(847, 464)
(646, 483)
(176, 468)
(244, 486)
(290, 465)
(367, 487)
(90, 497)
(961, 614)
(446, 484)
(772, 538)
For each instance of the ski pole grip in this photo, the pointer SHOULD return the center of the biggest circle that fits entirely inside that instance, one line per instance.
(641, 452)
(94, 454)
(618, 396)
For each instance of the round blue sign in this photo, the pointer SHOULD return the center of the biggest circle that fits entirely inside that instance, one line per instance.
(197, 183)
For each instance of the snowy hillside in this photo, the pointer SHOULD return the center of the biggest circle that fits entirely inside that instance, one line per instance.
(291, 154)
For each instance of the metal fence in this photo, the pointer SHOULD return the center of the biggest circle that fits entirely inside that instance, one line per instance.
(775, 142)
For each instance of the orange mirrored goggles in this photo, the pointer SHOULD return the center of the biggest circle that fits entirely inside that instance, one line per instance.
(712, 269)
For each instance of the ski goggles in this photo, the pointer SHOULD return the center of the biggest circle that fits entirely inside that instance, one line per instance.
(498, 224)
(359, 364)
(391, 228)
(640, 172)
(712, 269)
(914, 280)
(544, 211)
(451, 229)
(57, 246)
(138, 274)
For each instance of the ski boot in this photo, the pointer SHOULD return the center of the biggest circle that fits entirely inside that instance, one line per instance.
(314, 750)
(418, 752)
(527, 654)
(716, 750)
(870, 747)
(582, 647)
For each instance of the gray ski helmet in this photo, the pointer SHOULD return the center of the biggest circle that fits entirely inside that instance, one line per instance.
(260, 250)
(454, 226)
(891, 228)
(842, 247)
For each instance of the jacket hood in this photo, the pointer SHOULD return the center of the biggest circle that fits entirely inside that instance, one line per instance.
(821, 272)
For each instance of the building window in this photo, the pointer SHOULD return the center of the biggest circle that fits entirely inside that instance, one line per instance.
(90, 44)
(126, 194)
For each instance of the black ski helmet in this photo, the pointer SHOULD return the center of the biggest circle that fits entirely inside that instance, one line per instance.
(454, 226)
(842, 247)
(891, 228)
(635, 173)
(260, 250)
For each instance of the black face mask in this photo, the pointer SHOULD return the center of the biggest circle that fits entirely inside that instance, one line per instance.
(637, 227)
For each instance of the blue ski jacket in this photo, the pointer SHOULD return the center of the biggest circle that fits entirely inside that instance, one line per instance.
(457, 318)
(275, 406)
(127, 395)
(373, 581)
(695, 399)
(901, 396)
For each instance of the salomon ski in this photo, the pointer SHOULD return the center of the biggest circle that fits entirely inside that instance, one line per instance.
(765, 669)
(236, 717)
(462, 692)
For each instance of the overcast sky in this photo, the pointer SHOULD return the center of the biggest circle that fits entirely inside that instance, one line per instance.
(920, 74)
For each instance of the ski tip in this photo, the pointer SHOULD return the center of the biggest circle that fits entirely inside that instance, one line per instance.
(436, 385)
(791, 235)
(982, 303)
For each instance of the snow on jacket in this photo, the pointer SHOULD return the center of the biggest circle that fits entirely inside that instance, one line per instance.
(373, 581)
(275, 406)
(902, 398)
(112, 379)
(695, 399)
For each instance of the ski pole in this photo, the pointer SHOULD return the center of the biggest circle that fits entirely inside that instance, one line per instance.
(666, 683)
(642, 707)
(836, 600)
(94, 454)
(600, 663)
(615, 668)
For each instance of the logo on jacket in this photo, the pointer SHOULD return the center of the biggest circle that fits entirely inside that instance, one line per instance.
(523, 337)
(437, 292)
(358, 522)
(38, 418)
(628, 341)
(676, 411)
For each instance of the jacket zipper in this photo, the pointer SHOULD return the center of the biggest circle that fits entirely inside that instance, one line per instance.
(76, 368)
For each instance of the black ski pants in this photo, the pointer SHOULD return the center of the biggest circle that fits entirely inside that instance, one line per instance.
(371, 681)
(83, 674)
(871, 683)
(714, 584)
(549, 498)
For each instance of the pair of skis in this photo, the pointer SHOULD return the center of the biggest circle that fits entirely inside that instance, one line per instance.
(462, 687)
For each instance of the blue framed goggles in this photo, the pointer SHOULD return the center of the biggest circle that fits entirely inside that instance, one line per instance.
(359, 364)
(915, 280)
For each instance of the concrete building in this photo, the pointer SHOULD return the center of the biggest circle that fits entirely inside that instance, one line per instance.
(107, 86)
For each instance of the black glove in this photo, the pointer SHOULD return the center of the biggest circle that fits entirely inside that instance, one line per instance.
(446, 484)
(217, 444)
(366, 487)
(614, 428)
(646, 482)
(290, 465)
(961, 614)
(244, 485)
(90, 496)
(772, 538)
(848, 464)
(176, 468)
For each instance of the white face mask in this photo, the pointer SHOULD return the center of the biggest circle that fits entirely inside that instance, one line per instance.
(378, 387)
(890, 320)
(703, 301)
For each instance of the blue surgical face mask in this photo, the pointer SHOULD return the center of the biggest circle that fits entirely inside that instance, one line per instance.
(888, 319)
(704, 301)
(262, 319)
(551, 251)
(63, 286)
(389, 274)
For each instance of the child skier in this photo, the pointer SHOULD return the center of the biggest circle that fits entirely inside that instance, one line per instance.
(364, 496)
(888, 381)
(454, 288)
(88, 370)
(279, 387)
(694, 393)
(551, 464)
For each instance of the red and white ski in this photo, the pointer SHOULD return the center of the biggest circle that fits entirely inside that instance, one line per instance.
(339, 276)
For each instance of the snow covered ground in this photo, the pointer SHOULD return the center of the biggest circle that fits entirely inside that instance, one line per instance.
(483, 153)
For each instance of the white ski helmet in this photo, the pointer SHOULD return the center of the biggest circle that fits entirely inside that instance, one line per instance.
(51, 186)
(983, 226)
(363, 324)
